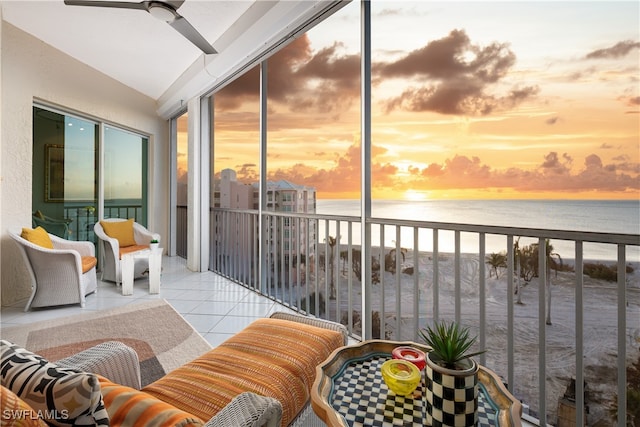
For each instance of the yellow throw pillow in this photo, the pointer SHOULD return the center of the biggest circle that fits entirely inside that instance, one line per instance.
(121, 231)
(37, 236)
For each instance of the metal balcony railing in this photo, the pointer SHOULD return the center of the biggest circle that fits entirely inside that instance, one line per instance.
(425, 271)
(83, 217)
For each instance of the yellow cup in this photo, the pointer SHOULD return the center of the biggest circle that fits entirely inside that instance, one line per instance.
(400, 376)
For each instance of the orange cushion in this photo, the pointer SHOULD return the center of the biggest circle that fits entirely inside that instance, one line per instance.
(37, 236)
(16, 412)
(122, 231)
(130, 407)
(133, 248)
(270, 357)
(88, 262)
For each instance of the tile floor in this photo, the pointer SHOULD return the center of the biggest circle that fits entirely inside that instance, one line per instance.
(216, 307)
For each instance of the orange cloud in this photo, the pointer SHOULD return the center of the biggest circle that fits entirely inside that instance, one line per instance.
(553, 174)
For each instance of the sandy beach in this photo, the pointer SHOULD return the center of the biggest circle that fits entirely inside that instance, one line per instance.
(600, 305)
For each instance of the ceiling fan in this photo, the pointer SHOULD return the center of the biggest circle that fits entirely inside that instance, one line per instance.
(166, 11)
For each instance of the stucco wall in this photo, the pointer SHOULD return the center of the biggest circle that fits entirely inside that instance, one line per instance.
(33, 71)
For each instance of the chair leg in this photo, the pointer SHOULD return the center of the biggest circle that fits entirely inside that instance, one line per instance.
(28, 306)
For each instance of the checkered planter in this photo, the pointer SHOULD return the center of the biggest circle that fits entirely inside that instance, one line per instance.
(451, 395)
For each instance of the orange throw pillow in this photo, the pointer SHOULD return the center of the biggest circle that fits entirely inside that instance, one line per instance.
(122, 231)
(130, 407)
(16, 412)
(37, 236)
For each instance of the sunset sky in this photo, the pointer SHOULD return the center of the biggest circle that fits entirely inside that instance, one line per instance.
(470, 100)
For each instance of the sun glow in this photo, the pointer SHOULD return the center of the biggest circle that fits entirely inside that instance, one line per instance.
(416, 195)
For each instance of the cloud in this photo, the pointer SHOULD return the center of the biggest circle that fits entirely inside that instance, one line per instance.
(618, 50)
(325, 81)
(244, 88)
(460, 77)
(553, 174)
(631, 101)
(552, 165)
(337, 77)
(343, 175)
(455, 75)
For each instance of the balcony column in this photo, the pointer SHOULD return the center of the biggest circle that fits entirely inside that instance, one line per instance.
(198, 185)
(365, 147)
(262, 221)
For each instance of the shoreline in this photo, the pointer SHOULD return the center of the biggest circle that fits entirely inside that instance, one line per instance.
(443, 256)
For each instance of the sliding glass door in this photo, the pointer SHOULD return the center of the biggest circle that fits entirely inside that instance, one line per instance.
(72, 182)
(125, 175)
(180, 141)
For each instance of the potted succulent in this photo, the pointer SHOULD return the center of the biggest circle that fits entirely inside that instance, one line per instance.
(154, 244)
(451, 376)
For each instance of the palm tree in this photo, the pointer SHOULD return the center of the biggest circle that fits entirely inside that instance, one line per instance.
(390, 260)
(496, 261)
(554, 261)
(332, 287)
(357, 267)
(518, 263)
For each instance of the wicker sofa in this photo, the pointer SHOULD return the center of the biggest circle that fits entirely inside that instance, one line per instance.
(262, 376)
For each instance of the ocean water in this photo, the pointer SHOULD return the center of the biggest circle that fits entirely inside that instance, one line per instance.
(608, 216)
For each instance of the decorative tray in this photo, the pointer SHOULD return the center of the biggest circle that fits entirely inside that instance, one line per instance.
(349, 391)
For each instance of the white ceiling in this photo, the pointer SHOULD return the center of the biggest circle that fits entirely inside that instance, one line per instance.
(128, 45)
(151, 57)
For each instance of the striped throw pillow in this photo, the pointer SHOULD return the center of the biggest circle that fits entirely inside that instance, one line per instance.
(62, 396)
(130, 407)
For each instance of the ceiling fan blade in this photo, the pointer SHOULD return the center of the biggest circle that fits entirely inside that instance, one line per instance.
(186, 29)
(178, 23)
(114, 4)
(175, 3)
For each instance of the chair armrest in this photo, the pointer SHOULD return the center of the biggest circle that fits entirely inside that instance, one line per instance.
(40, 258)
(57, 227)
(142, 235)
(112, 359)
(83, 248)
(320, 323)
(248, 410)
(58, 220)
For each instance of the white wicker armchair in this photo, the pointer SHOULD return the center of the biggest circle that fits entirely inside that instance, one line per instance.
(110, 251)
(56, 274)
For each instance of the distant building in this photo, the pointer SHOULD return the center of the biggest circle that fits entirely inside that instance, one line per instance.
(282, 196)
(233, 194)
(288, 238)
